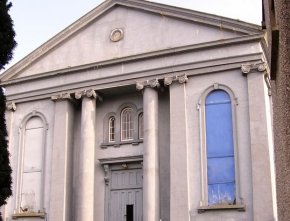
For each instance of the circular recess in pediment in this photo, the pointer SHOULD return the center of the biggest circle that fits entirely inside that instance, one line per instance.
(116, 34)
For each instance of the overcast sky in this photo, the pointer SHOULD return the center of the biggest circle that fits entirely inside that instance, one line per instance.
(36, 21)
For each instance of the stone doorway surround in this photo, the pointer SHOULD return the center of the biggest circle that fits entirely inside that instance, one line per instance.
(130, 168)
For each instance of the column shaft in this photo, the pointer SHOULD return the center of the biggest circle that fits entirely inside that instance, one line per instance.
(61, 187)
(151, 156)
(87, 157)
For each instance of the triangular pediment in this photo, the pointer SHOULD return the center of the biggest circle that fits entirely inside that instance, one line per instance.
(147, 27)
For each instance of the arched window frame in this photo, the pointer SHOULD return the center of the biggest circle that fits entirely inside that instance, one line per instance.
(106, 128)
(117, 115)
(129, 113)
(141, 126)
(112, 129)
(22, 129)
(201, 107)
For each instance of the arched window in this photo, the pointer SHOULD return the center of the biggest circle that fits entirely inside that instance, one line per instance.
(141, 126)
(220, 149)
(112, 129)
(127, 124)
(30, 182)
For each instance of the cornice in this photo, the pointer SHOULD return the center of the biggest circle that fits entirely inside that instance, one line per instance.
(164, 10)
(194, 68)
(191, 15)
(138, 57)
(121, 159)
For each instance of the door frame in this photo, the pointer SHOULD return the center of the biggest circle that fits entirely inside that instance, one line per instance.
(118, 163)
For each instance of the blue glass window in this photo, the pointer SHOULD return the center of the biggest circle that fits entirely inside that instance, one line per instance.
(220, 149)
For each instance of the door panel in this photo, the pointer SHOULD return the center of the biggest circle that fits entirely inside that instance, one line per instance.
(126, 179)
(118, 205)
(126, 190)
(138, 206)
(119, 201)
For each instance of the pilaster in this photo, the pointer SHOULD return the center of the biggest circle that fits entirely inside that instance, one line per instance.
(261, 144)
(9, 117)
(179, 200)
(61, 187)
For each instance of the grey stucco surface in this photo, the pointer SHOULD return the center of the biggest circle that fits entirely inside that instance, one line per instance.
(211, 56)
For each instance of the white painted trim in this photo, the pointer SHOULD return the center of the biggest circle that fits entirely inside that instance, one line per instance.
(130, 122)
(113, 127)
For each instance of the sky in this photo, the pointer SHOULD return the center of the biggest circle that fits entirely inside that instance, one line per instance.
(36, 21)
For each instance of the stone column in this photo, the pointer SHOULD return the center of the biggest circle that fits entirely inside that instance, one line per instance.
(61, 187)
(151, 204)
(179, 204)
(264, 195)
(85, 208)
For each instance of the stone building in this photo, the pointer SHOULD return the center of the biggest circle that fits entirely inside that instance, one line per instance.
(276, 23)
(142, 111)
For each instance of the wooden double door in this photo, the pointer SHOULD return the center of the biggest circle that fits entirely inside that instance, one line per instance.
(126, 195)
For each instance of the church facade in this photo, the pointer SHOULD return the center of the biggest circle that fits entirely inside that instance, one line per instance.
(146, 112)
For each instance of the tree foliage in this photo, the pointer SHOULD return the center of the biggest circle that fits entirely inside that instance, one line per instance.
(7, 34)
(7, 44)
(5, 169)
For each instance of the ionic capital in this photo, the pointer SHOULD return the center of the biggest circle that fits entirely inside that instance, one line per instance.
(88, 93)
(11, 106)
(64, 96)
(246, 68)
(149, 83)
(181, 79)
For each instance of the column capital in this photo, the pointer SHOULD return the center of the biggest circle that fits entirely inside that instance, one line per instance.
(246, 68)
(11, 106)
(64, 96)
(91, 93)
(181, 79)
(148, 83)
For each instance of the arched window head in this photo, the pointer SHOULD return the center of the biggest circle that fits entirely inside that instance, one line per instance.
(141, 126)
(127, 124)
(220, 149)
(112, 123)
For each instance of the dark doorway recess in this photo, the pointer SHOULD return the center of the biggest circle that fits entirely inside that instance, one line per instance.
(130, 213)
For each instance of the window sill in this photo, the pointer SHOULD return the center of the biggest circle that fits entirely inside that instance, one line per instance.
(239, 207)
(28, 215)
(118, 144)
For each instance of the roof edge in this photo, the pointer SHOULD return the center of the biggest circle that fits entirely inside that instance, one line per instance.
(164, 10)
(147, 55)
